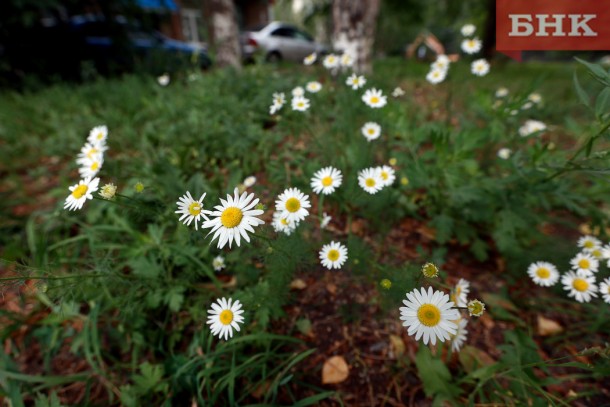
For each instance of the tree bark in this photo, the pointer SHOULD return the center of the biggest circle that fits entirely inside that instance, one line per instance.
(354, 24)
(224, 33)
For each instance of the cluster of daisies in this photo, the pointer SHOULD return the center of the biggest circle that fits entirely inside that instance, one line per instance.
(300, 102)
(90, 161)
(470, 45)
(580, 282)
(432, 315)
(529, 127)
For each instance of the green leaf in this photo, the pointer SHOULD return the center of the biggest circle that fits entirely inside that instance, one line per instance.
(602, 103)
(435, 376)
(596, 70)
(145, 267)
(174, 298)
(582, 94)
(443, 224)
(149, 377)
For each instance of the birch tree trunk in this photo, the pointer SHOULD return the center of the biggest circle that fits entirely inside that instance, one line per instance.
(224, 33)
(354, 24)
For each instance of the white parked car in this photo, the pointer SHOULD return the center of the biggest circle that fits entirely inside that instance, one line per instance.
(279, 41)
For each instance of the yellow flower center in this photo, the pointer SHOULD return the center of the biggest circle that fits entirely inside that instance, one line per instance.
(583, 264)
(393, 161)
(471, 43)
(100, 135)
(293, 205)
(370, 182)
(195, 208)
(91, 152)
(596, 253)
(327, 181)
(95, 166)
(374, 99)
(436, 74)
(231, 217)
(300, 104)
(429, 315)
(589, 244)
(371, 131)
(333, 255)
(580, 285)
(543, 273)
(429, 270)
(284, 222)
(79, 191)
(226, 317)
(608, 290)
(384, 175)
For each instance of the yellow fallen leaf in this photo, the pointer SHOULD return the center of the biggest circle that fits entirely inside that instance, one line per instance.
(398, 346)
(548, 327)
(335, 370)
(298, 284)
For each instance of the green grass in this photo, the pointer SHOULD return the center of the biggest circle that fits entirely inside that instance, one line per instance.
(127, 287)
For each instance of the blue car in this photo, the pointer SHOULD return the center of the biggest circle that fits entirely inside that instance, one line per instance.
(120, 45)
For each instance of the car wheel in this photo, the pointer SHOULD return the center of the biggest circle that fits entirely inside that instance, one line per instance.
(274, 57)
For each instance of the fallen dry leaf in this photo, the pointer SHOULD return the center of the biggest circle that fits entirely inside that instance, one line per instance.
(335, 370)
(331, 288)
(398, 346)
(548, 327)
(297, 284)
(472, 358)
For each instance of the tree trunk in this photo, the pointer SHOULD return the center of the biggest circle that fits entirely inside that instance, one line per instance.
(354, 24)
(224, 33)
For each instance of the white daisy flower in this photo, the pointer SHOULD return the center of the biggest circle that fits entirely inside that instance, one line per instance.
(310, 59)
(90, 166)
(589, 243)
(597, 253)
(355, 81)
(298, 91)
(584, 264)
(472, 45)
(333, 255)
(98, 135)
(218, 263)
(346, 60)
(313, 87)
(398, 92)
(326, 180)
(604, 290)
(90, 151)
(436, 76)
(457, 340)
(279, 98)
(579, 287)
(501, 92)
(429, 315)
(459, 295)
(480, 67)
(191, 209)
(374, 98)
(371, 131)
(526, 105)
(300, 103)
(504, 153)
(441, 63)
(535, 98)
(274, 108)
(108, 191)
(325, 220)
(331, 61)
(543, 273)
(163, 80)
(249, 181)
(531, 127)
(293, 204)
(224, 317)
(468, 29)
(80, 193)
(233, 219)
(281, 224)
(370, 180)
(388, 175)
(606, 253)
